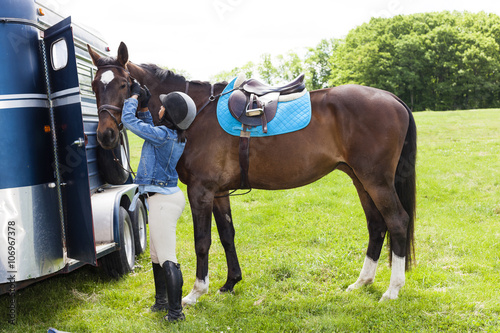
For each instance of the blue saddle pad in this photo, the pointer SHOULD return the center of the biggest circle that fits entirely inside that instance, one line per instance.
(290, 116)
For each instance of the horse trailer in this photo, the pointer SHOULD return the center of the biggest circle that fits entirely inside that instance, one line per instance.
(64, 201)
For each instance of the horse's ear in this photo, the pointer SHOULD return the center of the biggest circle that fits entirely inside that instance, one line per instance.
(93, 54)
(122, 54)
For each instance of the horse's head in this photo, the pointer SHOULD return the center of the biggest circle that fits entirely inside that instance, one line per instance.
(111, 86)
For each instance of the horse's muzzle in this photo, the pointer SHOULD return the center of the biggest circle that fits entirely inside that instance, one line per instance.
(108, 139)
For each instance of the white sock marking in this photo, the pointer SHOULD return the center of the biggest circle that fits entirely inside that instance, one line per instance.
(200, 288)
(397, 277)
(367, 274)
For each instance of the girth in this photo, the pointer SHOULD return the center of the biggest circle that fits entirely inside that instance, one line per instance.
(255, 104)
(244, 153)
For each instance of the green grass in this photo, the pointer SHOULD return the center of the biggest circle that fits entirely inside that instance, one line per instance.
(299, 250)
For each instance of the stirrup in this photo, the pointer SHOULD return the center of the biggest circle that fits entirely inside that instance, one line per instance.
(254, 112)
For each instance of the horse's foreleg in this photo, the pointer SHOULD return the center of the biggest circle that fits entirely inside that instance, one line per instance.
(201, 208)
(224, 220)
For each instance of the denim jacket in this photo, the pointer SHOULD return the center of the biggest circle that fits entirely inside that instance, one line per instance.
(160, 151)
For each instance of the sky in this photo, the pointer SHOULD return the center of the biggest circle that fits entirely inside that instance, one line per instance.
(205, 37)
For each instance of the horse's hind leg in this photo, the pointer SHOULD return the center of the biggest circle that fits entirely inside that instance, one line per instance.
(376, 230)
(397, 222)
(224, 220)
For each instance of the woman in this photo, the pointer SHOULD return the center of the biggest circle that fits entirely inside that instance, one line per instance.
(156, 174)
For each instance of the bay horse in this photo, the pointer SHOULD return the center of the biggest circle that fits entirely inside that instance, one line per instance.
(369, 134)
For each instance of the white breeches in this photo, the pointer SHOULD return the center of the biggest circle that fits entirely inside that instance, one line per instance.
(164, 211)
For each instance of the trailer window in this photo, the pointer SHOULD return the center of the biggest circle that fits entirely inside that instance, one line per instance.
(59, 54)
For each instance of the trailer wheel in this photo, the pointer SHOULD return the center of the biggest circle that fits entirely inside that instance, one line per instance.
(140, 219)
(122, 261)
(113, 163)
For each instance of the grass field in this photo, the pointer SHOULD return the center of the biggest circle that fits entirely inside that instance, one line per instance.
(300, 249)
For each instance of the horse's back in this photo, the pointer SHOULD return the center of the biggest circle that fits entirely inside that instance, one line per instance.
(349, 124)
(361, 110)
(360, 100)
(370, 123)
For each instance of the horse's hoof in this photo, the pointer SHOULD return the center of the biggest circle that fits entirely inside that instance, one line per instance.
(388, 296)
(228, 287)
(358, 284)
(226, 290)
(188, 301)
(353, 286)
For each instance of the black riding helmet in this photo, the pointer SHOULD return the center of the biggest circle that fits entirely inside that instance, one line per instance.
(180, 109)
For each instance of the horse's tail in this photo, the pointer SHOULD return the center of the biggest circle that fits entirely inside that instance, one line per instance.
(405, 183)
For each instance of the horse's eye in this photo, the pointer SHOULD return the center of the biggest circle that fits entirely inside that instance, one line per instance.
(123, 86)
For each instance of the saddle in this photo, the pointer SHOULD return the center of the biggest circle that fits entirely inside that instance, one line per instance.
(255, 103)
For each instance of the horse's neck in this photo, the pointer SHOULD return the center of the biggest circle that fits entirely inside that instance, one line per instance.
(199, 92)
(162, 85)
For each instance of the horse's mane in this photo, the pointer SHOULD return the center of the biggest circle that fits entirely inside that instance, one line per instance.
(163, 74)
(166, 74)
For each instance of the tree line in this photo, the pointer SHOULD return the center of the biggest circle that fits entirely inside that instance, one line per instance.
(433, 61)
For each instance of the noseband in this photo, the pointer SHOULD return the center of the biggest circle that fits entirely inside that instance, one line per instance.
(107, 107)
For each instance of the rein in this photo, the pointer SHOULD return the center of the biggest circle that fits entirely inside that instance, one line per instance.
(127, 156)
(212, 97)
(107, 107)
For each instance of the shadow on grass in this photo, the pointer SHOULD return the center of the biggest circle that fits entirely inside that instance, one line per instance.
(41, 303)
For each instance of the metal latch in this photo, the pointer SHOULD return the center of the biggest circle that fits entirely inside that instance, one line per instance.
(80, 142)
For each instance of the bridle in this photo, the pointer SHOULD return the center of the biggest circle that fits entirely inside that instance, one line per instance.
(119, 125)
(107, 107)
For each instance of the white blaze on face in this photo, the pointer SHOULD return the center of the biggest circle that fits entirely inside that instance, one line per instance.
(107, 77)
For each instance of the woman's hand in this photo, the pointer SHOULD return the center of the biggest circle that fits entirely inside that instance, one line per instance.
(144, 97)
(135, 90)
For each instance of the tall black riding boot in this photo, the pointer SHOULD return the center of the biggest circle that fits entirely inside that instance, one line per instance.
(161, 303)
(174, 291)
